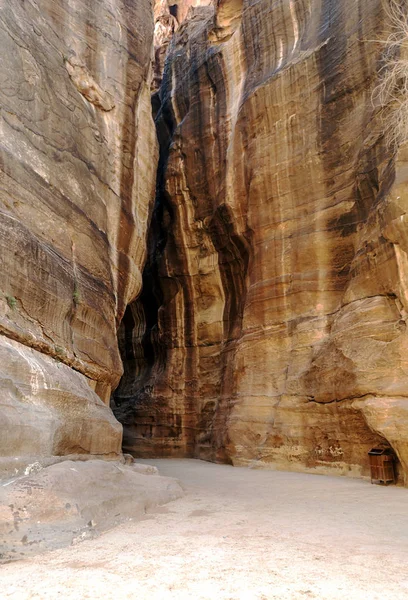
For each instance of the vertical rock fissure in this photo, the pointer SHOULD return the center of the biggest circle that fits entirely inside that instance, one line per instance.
(162, 416)
(142, 349)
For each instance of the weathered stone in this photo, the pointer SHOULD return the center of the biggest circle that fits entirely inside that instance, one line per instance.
(47, 409)
(70, 502)
(275, 296)
(78, 161)
(86, 85)
(270, 328)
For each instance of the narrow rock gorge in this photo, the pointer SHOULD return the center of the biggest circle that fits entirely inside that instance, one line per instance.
(271, 330)
(203, 228)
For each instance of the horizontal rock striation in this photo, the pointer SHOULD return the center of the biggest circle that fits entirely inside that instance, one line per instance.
(78, 159)
(271, 330)
(268, 325)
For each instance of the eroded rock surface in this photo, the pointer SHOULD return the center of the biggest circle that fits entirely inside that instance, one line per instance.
(72, 501)
(47, 409)
(271, 329)
(268, 326)
(78, 158)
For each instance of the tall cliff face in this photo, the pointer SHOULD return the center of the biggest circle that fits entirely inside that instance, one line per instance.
(271, 329)
(78, 157)
(268, 326)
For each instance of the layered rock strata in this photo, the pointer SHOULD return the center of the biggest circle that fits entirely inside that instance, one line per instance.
(271, 329)
(268, 327)
(78, 158)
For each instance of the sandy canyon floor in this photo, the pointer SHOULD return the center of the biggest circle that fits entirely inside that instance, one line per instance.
(237, 534)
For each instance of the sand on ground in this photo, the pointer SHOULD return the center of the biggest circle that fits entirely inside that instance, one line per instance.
(237, 534)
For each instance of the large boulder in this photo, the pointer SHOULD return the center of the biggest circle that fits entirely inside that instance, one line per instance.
(72, 501)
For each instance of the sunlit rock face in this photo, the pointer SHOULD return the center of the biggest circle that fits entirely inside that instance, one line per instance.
(268, 326)
(271, 330)
(79, 158)
(49, 409)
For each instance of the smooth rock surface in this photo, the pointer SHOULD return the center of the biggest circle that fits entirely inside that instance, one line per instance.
(48, 409)
(69, 502)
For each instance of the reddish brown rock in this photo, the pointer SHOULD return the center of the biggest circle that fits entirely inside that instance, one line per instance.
(270, 329)
(272, 325)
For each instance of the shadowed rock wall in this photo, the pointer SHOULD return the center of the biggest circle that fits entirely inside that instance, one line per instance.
(272, 329)
(78, 159)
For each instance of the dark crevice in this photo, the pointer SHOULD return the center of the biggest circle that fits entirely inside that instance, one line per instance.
(143, 352)
(173, 10)
(145, 402)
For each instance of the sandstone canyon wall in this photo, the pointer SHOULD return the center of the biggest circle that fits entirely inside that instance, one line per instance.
(78, 158)
(259, 296)
(271, 328)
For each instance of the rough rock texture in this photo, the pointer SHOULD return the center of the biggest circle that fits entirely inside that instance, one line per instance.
(271, 329)
(71, 501)
(269, 324)
(168, 15)
(78, 160)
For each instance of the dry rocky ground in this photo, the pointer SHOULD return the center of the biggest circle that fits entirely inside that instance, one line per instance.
(237, 534)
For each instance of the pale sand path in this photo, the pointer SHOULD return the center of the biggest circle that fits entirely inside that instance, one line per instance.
(237, 534)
